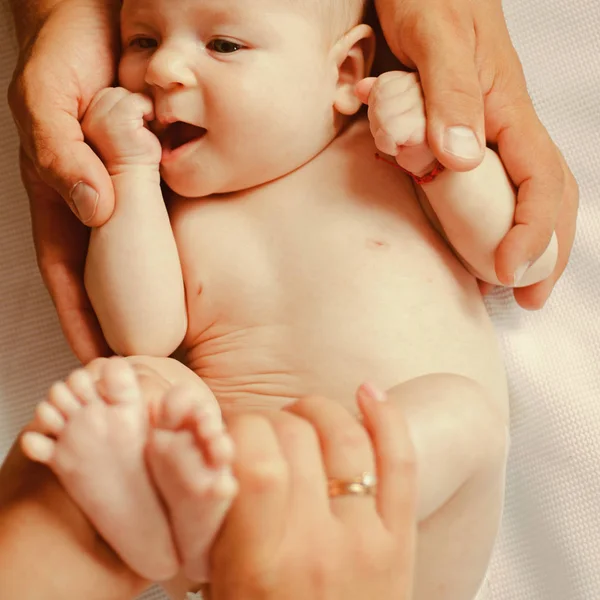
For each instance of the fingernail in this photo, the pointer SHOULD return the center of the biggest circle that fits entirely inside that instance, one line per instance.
(462, 142)
(373, 392)
(520, 273)
(84, 201)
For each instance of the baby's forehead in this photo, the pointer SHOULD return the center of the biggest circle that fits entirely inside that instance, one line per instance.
(324, 10)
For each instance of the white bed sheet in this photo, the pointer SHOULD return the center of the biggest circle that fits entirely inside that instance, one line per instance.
(549, 546)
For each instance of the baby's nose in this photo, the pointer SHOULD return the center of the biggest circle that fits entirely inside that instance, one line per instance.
(169, 68)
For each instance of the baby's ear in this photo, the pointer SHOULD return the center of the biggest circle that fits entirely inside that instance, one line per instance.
(354, 54)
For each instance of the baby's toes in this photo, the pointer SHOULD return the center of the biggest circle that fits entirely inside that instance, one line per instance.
(38, 447)
(64, 400)
(225, 486)
(179, 405)
(119, 383)
(219, 450)
(82, 385)
(48, 419)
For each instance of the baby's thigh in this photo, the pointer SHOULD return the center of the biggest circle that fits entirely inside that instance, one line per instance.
(455, 544)
(455, 541)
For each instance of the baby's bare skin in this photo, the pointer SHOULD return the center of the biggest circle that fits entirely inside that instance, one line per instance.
(327, 278)
(322, 273)
(330, 277)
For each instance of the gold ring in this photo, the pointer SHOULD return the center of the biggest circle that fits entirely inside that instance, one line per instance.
(364, 485)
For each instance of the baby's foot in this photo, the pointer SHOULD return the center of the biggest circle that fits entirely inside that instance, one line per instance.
(190, 455)
(94, 437)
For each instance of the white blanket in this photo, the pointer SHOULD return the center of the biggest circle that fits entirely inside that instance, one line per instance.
(549, 546)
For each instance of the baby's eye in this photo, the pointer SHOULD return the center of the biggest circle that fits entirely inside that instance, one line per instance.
(143, 43)
(224, 46)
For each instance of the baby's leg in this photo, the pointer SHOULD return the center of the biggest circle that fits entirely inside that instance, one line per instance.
(93, 431)
(190, 458)
(461, 444)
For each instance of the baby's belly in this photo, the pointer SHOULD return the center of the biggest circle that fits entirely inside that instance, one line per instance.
(381, 313)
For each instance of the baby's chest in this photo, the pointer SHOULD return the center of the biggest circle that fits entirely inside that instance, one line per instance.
(342, 270)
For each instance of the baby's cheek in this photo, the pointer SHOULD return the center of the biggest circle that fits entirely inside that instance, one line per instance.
(132, 74)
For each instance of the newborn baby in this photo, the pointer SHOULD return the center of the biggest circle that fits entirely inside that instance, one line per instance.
(289, 259)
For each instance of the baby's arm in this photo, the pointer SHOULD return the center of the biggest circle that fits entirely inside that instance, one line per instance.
(475, 209)
(133, 274)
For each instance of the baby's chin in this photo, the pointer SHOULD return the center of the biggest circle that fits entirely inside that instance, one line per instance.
(188, 185)
(195, 185)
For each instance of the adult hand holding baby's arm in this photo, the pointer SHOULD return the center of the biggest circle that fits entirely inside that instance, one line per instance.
(285, 538)
(473, 81)
(133, 274)
(67, 53)
(473, 210)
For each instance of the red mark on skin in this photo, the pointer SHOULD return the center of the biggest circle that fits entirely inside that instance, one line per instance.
(418, 179)
(377, 244)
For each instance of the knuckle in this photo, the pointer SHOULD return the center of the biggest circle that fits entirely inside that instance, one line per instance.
(297, 432)
(374, 555)
(464, 97)
(324, 571)
(261, 575)
(265, 476)
(310, 402)
(401, 467)
(44, 156)
(352, 437)
(13, 94)
(448, 21)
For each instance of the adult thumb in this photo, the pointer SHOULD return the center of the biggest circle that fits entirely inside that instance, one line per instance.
(454, 103)
(66, 163)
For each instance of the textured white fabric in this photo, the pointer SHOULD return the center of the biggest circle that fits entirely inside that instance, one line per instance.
(548, 548)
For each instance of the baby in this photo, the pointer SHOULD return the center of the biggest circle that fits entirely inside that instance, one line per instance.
(288, 260)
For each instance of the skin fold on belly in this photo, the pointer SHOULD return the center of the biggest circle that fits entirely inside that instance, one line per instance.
(269, 366)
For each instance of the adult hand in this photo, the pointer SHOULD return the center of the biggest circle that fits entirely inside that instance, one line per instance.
(66, 55)
(473, 82)
(285, 538)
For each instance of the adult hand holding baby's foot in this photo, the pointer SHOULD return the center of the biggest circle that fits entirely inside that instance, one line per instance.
(285, 537)
(397, 119)
(115, 124)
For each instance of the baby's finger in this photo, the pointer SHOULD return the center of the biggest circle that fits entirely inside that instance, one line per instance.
(394, 83)
(106, 99)
(141, 106)
(363, 89)
(408, 129)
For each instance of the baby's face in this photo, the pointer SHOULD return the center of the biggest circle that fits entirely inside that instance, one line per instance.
(250, 83)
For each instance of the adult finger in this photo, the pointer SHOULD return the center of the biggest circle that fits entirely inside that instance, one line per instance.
(259, 513)
(54, 142)
(300, 446)
(534, 297)
(396, 461)
(536, 171)
(346, 449)
(61, 245)
(441, 44)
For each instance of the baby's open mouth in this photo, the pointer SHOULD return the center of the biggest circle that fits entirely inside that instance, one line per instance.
(179, 134)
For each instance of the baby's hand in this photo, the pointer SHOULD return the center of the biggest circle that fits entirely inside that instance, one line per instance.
(397, 118)
(115, 125)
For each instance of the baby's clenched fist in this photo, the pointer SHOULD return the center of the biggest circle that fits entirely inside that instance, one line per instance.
(115, 125)
(397, 119)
